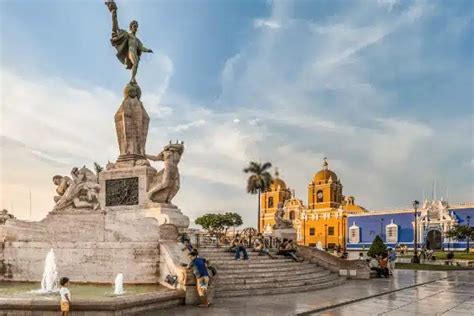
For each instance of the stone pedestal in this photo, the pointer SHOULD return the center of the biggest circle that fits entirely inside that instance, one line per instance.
(288, 233)
(125, 187)
(167, 214)
(131, 123)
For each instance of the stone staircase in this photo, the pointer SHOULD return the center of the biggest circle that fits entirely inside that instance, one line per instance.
(262, 275)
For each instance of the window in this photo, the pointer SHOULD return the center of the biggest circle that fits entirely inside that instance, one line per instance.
(391, 232)
(270, 202)
(312, 244)
(354, 234)
(331, 245)
(312, 231)
(292, 215)
(319, 196)
(331, 231)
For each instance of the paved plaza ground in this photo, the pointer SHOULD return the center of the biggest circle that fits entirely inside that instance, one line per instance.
(408, 293)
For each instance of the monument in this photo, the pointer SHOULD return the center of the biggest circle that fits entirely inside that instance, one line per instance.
(283, 227)
(119, 221)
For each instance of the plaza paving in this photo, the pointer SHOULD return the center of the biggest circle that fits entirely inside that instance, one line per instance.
(408, 293)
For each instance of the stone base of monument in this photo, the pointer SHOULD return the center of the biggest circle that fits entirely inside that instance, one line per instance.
(90, 246)
(288, 233)
(167, 214)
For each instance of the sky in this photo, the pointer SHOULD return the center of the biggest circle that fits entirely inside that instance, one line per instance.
(382, 88)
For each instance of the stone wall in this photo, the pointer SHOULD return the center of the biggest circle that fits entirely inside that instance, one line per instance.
(356, 269)
(89, 247)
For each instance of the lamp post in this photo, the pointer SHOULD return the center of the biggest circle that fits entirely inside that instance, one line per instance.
(381, 228)
(344, 233)
(416, 259)
(468, 237)
(326, 237)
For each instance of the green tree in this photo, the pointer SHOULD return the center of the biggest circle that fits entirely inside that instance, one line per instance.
(461, 232)
(98, 168)
(218, 224)
(258, 182)
(378, 248)
(229, 220)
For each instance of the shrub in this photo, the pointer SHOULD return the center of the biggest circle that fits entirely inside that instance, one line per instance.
(378, 248)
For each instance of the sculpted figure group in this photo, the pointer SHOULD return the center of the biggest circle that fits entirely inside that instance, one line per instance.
(81, 191)
(166, 183)
(280, 221)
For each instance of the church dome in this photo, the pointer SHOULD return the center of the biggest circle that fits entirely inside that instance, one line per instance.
(278, 185)
(325, 174)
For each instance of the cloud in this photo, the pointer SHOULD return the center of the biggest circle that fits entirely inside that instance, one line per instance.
(183, 127)
(261, 23)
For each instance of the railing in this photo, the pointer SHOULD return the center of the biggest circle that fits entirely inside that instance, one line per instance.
(210, 240)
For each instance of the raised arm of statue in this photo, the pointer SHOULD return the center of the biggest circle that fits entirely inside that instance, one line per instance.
(159, 157)
(113, 9)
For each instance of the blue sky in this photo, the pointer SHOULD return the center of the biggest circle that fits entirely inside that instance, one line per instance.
(383, 88)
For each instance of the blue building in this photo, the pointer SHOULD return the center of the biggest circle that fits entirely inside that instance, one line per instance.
(396, 227)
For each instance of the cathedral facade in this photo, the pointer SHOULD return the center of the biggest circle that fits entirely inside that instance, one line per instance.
(329, 219)
(322, 221)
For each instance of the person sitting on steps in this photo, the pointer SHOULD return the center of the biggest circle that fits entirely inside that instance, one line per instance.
(239, 247)
(259, 246)
(290, 251)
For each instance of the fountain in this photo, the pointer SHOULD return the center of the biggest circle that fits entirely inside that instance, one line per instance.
(119, 284)
(49, 283)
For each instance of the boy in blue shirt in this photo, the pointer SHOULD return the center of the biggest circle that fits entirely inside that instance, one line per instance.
(201, 273)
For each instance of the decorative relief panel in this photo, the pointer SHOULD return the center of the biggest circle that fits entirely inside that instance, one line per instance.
(121, 192)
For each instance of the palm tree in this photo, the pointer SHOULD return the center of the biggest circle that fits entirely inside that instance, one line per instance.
(259, 181)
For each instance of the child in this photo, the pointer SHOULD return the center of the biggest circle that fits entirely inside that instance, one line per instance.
(201, 273)
(65, 296)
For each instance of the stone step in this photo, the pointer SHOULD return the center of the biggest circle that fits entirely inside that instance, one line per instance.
(267, 274)
(242, 280)
(319, 278)
(253, 263)
(246, 269)
(232, 255)
(281, 290)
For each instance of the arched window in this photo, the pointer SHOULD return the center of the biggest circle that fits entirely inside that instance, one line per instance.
(270, 202)
(292, 215)
(319, 196)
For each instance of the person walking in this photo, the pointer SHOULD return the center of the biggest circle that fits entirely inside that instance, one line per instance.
(392, 257)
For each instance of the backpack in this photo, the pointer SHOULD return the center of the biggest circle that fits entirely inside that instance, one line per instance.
(213, 270)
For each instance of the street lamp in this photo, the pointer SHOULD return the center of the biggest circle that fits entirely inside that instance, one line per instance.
(381, 228)
(468, 235)
(416, 259)
(326, 237)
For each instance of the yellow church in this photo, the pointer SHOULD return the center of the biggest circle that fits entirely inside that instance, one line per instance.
(322, 220)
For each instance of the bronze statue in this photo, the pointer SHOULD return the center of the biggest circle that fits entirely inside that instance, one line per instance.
(166, 183)
(129, 47)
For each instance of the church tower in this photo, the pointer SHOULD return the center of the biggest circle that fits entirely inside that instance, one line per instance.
(269, 200)
(325, 189)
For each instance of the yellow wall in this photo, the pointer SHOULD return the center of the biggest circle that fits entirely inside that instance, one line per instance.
(320, 230)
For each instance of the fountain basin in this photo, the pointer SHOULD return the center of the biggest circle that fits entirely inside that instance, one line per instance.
(21, 298)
